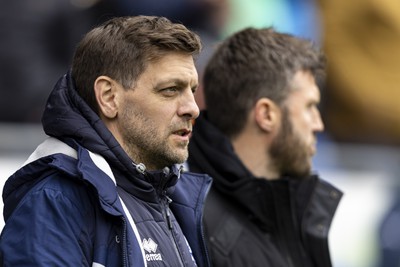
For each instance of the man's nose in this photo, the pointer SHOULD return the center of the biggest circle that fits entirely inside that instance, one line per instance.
(188, 106)
(318, 123)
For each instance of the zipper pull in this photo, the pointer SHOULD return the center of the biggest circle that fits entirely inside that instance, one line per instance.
(168, 213)
(169, 220)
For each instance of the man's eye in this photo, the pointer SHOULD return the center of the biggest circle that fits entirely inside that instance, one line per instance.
(169, 91)
(313, 105)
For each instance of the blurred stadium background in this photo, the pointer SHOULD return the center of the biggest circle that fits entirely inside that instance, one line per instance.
(359, 152)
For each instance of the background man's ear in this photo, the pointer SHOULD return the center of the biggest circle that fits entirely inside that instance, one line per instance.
(266, 114)
(105, 91)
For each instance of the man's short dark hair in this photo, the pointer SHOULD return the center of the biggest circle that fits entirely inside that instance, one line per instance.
(249, 65)
(122, 47)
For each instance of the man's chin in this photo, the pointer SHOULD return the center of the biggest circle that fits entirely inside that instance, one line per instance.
(179, 157)
(302, 172)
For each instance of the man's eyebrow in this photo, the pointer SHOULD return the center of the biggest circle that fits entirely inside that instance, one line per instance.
(175, 81)
(168, 81)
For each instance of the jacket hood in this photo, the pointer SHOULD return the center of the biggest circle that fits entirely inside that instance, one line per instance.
(67, 116)
(212, 152)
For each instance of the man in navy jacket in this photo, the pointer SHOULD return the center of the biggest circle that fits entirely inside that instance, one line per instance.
(105, 189)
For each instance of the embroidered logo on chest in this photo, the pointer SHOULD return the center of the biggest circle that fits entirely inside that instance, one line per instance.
(150, 248)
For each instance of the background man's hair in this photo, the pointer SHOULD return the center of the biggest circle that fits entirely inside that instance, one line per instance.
(251, 64)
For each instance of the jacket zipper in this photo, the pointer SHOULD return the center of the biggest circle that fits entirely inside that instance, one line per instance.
(124, 252)
(170, 225)
(203, 237)
(282, 240)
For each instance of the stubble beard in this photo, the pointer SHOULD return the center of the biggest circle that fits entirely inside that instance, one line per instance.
(144, 143)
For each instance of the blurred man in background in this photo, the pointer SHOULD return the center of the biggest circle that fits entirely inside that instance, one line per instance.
(256, 139)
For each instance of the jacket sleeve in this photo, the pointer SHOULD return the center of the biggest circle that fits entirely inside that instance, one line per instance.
(49, 227)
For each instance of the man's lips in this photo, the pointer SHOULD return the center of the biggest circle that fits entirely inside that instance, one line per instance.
(183, 132)
(313, 148)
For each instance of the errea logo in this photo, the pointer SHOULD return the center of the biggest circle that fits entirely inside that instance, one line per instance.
(150, 248)
(149, 245)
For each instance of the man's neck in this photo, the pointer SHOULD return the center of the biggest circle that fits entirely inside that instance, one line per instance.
(252, 151)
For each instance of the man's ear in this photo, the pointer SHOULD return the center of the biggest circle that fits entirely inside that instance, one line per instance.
(105, 91)
(266, 114)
